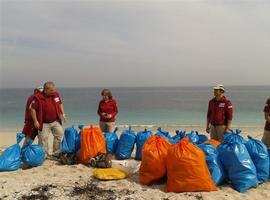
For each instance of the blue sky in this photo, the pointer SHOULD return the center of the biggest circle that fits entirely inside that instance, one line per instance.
(134, 43)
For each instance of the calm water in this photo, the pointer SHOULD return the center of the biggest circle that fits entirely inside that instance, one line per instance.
(143, 106)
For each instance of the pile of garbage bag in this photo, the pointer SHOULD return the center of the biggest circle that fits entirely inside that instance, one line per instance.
(15, 156)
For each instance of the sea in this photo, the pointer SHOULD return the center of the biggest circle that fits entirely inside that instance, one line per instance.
(143, 106)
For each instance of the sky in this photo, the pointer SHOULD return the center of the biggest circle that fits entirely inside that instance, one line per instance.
(134, 43)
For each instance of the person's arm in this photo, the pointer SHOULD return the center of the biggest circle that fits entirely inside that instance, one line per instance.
(267, 116)
(33, 107)
(115, 111)
(62, 109)
(101, 114)
(63, 112)
(267, 111)
(34, 117)
(98, 111)
(208, 119)
(228, 127)
(207, 125)
(229, 115)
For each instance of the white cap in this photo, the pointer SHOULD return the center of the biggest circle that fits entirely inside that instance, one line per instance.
(39, 88)
(219, 87)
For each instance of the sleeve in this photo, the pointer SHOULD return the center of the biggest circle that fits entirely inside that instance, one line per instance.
(57, 95)
(229, 110)
(99, 111)
(115, 111)
(60, 100)
(209, 111)
(267, 106)
(33, 104)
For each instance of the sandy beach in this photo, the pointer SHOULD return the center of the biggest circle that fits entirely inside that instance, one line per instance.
(177, 64)
(55, 181)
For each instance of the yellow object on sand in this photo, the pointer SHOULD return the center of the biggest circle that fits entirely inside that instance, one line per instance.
(109, 174)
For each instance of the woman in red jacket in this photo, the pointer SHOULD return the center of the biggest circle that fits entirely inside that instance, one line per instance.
(107, 110)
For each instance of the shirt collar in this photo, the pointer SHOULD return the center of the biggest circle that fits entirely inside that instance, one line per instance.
(221, 99)
(110, 100)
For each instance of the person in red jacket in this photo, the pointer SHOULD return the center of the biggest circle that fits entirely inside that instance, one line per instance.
(29, 129)
(266, 135)
(47, 112)
(219, 115)
(107, 110)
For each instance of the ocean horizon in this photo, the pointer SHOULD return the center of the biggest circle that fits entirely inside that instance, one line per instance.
(143, 106)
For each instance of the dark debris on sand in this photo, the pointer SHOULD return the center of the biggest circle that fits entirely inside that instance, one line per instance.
(41, 193)
(197, 196)
(92, 191)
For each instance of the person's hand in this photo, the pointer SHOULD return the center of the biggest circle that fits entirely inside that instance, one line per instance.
(103, 114)
(207, 129)
(64, 118)
(36, 124)
(227, 130)
(109, 116)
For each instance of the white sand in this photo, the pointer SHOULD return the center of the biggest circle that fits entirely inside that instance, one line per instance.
(56, 181)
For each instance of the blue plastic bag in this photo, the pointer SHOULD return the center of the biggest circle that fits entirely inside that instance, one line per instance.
(78, 143)
(259, 155)
(32, 155)
(10, 160)
(231, 136)
(193, 137)
(214, 165)
(164, 134)
(179, 136)
(141, 139)
(111, 141)
(237, 163)
(71, 141)
(202, 138)
(80, 126)
(125, 144)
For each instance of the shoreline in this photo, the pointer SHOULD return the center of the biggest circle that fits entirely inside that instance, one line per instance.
(8, 137)
(150, 126)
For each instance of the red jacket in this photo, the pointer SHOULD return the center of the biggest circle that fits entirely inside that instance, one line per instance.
(38, 104)
(27, 115)
(267, 110)
(219, 112)
(109, 108)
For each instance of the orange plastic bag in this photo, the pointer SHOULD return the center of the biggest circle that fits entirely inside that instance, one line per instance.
(215, 143)
(92, 142)
(187, 169)
(153, 165)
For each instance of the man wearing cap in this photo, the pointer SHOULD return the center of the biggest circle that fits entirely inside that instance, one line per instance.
(266, 135)
(47, 112)
(219, 115)
(29, 129)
